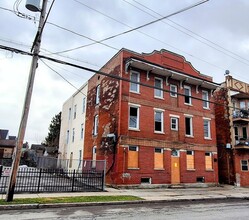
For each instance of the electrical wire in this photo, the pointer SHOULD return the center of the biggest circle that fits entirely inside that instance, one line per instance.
(142, 26)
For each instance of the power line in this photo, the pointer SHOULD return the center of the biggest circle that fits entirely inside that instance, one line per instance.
(142, 26)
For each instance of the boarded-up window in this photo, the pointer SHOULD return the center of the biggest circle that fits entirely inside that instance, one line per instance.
(158, 158)
(133, 157)
(208, 161)
(190, 160)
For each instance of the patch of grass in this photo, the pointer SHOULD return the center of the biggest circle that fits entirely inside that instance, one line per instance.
(70, 199)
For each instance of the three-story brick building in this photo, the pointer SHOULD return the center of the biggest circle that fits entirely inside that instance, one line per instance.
(152, 119)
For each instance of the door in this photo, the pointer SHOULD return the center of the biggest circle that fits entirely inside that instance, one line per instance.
(175, 167)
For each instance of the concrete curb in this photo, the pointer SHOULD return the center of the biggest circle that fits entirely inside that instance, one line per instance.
(80, 204)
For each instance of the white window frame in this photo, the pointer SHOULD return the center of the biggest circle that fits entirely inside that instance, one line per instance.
(81, 131)
(176, 123)
(135, 85)
(83, 104)
(159, 89)
(173, 92)
(241, 165)
(191, 126)
(97, 99)
(74, 111)
(68, 137)
(188, 88)
(95, 124)
(162, 120)
(205, 98)
(137, 119)
(208, 121)
(69, 113)
(73, 135)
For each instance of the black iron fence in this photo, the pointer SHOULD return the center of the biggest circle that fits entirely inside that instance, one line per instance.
(38, 180)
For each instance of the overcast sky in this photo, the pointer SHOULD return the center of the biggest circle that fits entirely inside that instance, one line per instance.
(212, 36)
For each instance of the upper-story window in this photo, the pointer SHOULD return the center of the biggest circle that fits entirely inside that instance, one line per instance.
(135, 78)
(83, 104)
(67, 138)
(174, 123)
(97, 100)
(73, 134)
(242, 105)
(189, 126)
(173, 90)
(81, 131)
(205, 98)
(95, 125)
(69, 113)
(158, 92)
(159, 121)
(134, 117)
(187, 93)
(207, 130)
(74, 111)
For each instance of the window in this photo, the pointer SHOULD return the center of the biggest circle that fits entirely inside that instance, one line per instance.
(208, 161)
(244, 132)
(206, 125)
(190, 160)
(81, 131)
(158, 158)
(73, 135)
(242, 105)
(175, 153)
(71, 160)
(244, 165)
(205, 99)
(173, 90)
(94, 157)
(236, 133)
(95, 125)
(134, 117)
(158, 92)
(67, 136)
(188, 126)
(69, 113)
(97, 99)
(74, 112)
(174, 123)
(187, 93)
(84, 105)
(135, 77)
(133, 157)
(158, 121)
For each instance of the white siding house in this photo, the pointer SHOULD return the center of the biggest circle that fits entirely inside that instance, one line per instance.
(71, 145)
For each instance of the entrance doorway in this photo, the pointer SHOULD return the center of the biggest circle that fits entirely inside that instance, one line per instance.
(175, 167)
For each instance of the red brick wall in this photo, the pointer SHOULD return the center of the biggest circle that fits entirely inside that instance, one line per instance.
(244, 175)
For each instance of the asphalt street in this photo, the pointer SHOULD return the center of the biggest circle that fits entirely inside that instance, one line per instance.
(188, 210)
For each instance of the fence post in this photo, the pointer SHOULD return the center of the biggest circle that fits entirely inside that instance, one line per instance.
(1, 170)
(103, 178)
(39, 180)
(73, 180)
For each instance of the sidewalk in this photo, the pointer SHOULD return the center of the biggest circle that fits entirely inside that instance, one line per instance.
(149, 195)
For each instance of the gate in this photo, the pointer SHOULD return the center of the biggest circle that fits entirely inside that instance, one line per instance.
(38, 180)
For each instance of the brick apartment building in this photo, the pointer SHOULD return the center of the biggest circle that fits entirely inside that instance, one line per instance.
(156, 125)
(232, 125)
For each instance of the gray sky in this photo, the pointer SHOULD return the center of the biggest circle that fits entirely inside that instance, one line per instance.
(212, 36)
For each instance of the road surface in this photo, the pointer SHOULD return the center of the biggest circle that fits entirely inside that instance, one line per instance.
(188, 210)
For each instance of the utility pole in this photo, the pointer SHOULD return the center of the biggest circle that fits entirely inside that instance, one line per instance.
(24, 118)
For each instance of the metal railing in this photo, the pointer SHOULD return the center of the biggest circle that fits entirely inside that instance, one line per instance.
(38, 180)
(241, 114)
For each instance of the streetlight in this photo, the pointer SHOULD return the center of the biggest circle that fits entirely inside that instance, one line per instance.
(32, 5)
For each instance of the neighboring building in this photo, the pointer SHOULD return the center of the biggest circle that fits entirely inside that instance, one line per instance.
(7, 144)
(72, 131)
(163, 133)
(232, 125)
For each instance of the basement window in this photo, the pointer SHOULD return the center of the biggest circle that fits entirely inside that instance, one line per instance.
(146, 180)
(200, 179)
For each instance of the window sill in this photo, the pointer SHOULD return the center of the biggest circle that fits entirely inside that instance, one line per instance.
(206, 108)
(157, 97)
(159, 132)
(173, 96)
(211, 170)
(134, 129)
(135, 92)
(208, 138)
(189, 104)
(189, 136)
(174, 129)
(159, 169)
(133, 168)
(191, 170)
